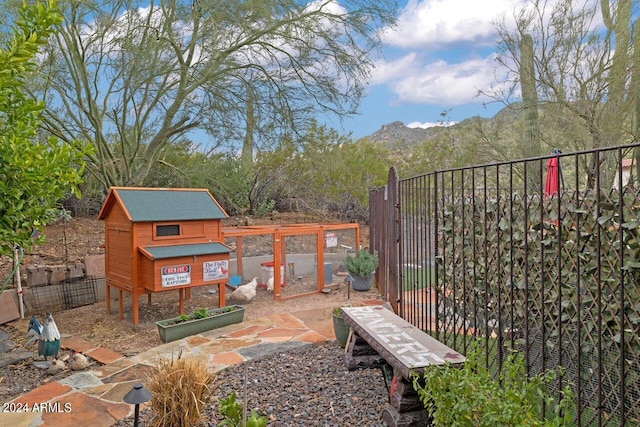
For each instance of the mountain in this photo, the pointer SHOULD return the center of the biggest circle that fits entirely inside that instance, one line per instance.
(396, 134)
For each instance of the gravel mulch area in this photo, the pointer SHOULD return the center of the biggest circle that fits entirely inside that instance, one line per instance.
(304, 387)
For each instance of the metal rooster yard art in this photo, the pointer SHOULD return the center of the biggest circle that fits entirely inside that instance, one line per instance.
(48, 336)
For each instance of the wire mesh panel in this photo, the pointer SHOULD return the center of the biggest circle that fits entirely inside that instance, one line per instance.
(39, 299)
(79, 291)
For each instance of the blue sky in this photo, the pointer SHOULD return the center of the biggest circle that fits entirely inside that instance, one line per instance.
(441, 53)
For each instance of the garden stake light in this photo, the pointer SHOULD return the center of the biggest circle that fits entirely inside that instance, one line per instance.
(137, 395)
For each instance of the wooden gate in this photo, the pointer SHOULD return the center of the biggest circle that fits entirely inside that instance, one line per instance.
(383, 224)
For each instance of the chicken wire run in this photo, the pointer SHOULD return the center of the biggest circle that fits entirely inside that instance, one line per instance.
(301, 258)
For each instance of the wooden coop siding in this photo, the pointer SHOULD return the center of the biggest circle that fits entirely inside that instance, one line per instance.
(120, 282)
(145, 273)
(213, 230)
(193, 229)
(151, 276)
(190, 232)
(119, 241)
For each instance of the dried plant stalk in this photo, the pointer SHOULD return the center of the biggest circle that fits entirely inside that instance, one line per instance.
(180, 389)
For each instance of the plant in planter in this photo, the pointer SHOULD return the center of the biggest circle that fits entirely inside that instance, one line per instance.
(199, 321)
(340, 328)
(361, 267)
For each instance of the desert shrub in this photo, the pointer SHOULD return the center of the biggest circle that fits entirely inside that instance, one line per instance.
(180, 389)
(233, 412)
(471, 396)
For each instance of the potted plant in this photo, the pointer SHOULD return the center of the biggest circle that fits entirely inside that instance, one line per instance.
(340, 328)
(361, 268)
(199, 321)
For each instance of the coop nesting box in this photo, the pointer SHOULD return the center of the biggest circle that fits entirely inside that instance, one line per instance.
(163, 239)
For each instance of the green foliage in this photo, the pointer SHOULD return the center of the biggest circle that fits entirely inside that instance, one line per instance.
(200, 313)
(449, 147)
(34, 175)
(152, 86)
(323, 171)
(232, 411)
(364, 263)
(337, 310)
(559, 276)
(470, 396)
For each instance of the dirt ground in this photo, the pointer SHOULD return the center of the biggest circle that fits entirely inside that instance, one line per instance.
(74, 239)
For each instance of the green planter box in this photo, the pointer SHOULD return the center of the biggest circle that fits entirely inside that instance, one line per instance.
(169, 330)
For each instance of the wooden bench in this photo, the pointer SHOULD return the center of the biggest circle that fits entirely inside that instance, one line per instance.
(377, 336)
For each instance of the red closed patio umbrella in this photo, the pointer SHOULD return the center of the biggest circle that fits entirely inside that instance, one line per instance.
(552, 182)
(553, 179)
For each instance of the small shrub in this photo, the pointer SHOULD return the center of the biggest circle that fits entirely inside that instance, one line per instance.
(364, 263)
(180, 389)
(337, 310)
(470, 396)
(232, 411)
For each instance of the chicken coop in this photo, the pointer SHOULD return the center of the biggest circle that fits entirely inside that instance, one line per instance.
(159, 239)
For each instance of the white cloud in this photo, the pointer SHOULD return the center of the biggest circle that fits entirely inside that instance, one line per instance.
(427, 125)
(445, 51)
(438, 82)
(432, 24)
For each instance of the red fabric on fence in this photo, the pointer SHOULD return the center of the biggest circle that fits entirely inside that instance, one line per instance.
(552, 182)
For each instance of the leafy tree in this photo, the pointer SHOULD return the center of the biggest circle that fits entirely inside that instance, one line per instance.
(324, 171)
(34, 175)
(134, 77)
(448, 147)
(585, 73)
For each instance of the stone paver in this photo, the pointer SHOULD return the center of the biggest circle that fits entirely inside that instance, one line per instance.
(76, 344)
(228, 358)
(20, 419)
(312, 337)
(112, 368)
(134, 373)
(286, 320)
(281, 332)
(43, 393)
(117, 391)
(196, 340)
(81, 380)
(228, 345)
(78, 409)
(251, 330)
(105, 356)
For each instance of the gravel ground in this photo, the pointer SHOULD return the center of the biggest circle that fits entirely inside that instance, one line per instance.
(305, 387)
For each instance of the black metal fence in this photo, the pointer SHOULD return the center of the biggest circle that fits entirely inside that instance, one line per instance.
(539, 255)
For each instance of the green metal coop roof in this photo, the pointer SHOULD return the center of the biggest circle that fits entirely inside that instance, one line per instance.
(173, 251)
(156, 204)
